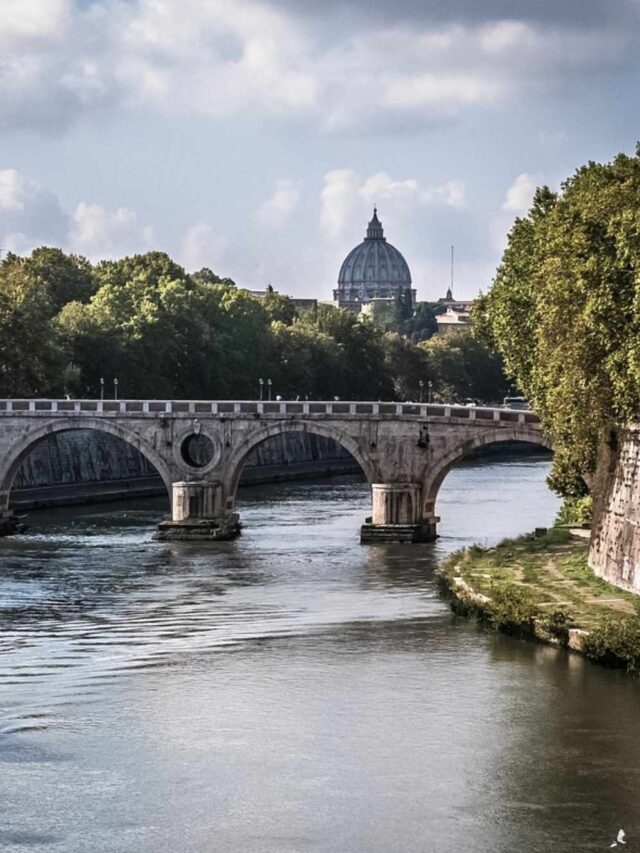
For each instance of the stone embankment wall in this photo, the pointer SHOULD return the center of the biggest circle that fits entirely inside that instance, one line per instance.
(614, 553)
(87, 457)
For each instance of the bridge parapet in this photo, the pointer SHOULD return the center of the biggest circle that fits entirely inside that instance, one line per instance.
(276, 409)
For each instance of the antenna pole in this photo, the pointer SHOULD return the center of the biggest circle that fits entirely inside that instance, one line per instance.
(452, 270)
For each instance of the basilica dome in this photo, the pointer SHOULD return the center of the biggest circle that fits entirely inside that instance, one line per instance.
(373, 270)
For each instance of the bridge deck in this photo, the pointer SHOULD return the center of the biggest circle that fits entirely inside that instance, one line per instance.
(278, 408)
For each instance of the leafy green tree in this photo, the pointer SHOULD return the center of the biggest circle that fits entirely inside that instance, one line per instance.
(150, 268)
(407, 365)
(564, 311)
(360, 369)
(31, 356)
(279, 308)
(68, 278)
(462, 367)
(421, 324)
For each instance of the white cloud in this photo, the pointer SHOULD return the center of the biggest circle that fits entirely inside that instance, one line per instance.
(520, 193)
(338, 201)
(59, 60)
(346, 197)
(380, 186)
(30, 215)
(277, 210)
(33, 19)
(100, 233)
(202, 246)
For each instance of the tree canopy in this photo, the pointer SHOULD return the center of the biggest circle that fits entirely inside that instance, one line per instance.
(65, 324)
(564, 311)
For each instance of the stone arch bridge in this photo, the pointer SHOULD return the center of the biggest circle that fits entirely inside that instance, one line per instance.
(199, 449)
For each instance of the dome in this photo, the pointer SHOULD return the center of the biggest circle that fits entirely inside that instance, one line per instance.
(375, 263)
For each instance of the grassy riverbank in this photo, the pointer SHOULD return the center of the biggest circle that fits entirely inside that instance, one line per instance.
(542, 588)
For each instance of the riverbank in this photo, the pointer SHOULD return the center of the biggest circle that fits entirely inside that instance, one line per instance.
(541, 588)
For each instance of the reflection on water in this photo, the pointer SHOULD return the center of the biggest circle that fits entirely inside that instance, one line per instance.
(295, 691)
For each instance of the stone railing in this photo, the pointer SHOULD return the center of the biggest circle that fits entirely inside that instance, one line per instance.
(226, 408)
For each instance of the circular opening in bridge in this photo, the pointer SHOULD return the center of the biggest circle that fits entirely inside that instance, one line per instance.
(197, 450)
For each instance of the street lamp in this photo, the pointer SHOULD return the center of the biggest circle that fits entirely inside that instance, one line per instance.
(421, 385)
(430, 387)
(102, 387)
(261, 384)
(269, 384)
(115, 389)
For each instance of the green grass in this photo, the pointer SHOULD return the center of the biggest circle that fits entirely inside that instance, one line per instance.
(544, 584)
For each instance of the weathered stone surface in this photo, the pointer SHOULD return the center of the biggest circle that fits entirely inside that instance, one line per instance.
(614, 552)
(87, 456)
(404, 450)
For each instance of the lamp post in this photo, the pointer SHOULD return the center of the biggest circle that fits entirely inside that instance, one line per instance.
(261, 384)
(269, 384)
(430, 387)
(115, 389)
(421, 386)
(102, 387)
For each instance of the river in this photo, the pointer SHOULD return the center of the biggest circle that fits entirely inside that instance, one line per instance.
(295, 691)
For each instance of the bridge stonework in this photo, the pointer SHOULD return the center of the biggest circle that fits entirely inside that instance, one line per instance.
(404, 449)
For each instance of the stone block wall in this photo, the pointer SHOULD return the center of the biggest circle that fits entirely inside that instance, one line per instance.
(614, 553)
(88, 456)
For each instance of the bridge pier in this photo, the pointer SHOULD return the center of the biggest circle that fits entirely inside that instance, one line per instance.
(199, 512)
(10, 523)
(397, 515)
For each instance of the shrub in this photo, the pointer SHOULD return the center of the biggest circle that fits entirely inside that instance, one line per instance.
(557, 624)
(576, 511)
(616, 643)
(512, 609)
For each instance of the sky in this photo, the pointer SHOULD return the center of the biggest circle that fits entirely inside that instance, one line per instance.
(254, 136)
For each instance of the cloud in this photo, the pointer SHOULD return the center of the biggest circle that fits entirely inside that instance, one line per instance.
(520, 194)
(201, 246)
(277, 210)
(346, 198)
(60, 61)
(572, 12)
(100, 233)
(30, 215)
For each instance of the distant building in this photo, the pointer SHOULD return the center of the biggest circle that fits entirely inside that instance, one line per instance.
(373, 270)
(463, 305)
(453, 321)
(456, 317)
(301, 304)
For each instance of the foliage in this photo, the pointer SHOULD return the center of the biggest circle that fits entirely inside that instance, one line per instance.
(616, 642)
(512, 609)
(557, 624)
(65, 325)
(31, 357)
(407, 365)
(576, 511)
(463, 367)
(563, 311)
(421, 324)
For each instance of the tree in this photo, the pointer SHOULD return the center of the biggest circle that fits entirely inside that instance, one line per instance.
(462, 367)
(421, 325)
(360, 369)
(31, 357)
(407, 365)
(68, 278)
(564, 311)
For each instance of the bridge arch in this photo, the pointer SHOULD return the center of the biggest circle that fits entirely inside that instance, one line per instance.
(236, 460)
(9, 466)
(455, 455)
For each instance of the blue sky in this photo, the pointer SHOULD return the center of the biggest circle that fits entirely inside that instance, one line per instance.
(255, 137)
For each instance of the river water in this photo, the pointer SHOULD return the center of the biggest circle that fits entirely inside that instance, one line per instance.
(295, 691)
